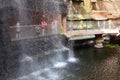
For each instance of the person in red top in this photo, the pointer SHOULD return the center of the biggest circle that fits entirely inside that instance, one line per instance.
(43, 25)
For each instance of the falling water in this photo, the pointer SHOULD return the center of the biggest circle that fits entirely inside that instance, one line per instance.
(60, 61)
(27, 63)
(22, 18)
(49, 74)
(54, 27)
(30, 68)
(60, 57)
(71, 57)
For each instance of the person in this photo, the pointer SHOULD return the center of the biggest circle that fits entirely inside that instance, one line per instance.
(37, 29)
(17, 30)
(54, 27)
(43, 26)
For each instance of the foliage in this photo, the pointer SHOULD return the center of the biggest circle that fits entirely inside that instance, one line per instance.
(112, 46)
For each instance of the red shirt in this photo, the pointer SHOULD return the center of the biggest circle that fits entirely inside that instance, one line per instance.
(43, 24)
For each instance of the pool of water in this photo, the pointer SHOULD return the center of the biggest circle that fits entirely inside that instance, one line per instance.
(98, 64)
(92, 64)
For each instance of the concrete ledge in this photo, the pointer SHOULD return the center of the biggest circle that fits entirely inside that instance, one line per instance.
(82, 37)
